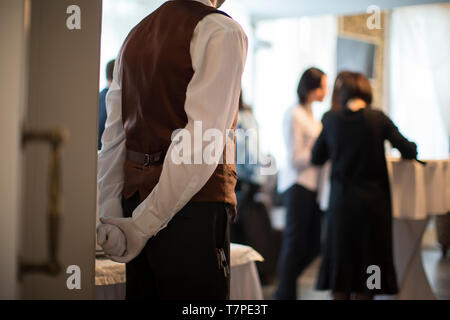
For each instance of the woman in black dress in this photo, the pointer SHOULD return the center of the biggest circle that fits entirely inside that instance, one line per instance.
(359, 233)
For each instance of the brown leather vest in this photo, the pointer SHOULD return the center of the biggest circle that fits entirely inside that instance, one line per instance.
(156, 71)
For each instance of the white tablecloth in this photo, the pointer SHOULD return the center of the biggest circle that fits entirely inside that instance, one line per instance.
(244, 280)
(416, 190)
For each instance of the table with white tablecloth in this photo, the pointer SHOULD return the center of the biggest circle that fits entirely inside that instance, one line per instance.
(418, 192)
(244, 280)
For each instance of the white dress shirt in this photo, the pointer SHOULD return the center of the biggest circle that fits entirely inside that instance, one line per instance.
(218, 52)
(300, 133)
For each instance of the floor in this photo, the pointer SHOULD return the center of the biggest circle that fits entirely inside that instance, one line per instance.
(305, 285)
(436, 268)
(438, 272)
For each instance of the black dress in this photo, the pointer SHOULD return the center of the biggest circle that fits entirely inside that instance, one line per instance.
(359, 232)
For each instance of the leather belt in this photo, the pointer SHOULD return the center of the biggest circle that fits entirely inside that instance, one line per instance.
(145, 159)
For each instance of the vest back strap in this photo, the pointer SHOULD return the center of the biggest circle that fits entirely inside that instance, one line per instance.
(145, 159)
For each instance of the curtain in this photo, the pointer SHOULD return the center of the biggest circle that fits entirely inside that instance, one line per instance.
(420, 71)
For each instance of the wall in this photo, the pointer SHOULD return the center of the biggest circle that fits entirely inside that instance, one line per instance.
(11, 93)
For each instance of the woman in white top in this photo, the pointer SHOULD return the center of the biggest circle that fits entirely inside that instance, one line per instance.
(301, 238)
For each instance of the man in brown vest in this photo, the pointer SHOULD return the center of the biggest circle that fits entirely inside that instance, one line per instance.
(179, 68)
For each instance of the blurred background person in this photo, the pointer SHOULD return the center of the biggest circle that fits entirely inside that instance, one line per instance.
(102, 106)
(299, 182)
(247, 148)
(253, 226)
(359, 229)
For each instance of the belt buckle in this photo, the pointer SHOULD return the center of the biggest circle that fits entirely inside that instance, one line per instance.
(146, 160)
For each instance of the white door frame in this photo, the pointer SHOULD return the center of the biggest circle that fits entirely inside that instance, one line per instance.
(12, 64)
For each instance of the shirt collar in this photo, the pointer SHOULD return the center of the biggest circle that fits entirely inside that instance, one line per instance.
(205, 2)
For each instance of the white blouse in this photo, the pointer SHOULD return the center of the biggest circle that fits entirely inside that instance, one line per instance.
(300, 133)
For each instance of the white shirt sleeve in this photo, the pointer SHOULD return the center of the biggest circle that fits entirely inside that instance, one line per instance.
(218, 53)
(301, 155)
(111, 157)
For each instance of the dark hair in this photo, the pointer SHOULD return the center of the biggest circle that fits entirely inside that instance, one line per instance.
(350, 85)
(110, 70)
(337, 86)
(310, 80)
(243, 106)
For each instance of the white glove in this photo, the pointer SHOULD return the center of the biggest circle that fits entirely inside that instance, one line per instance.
(111, 239)
(135, 238)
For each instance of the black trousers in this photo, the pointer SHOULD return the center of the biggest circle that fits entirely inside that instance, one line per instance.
(301, 239)
(181, 261)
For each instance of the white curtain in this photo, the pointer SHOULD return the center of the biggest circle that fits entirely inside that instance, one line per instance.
(287, 47)
(420, 73)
